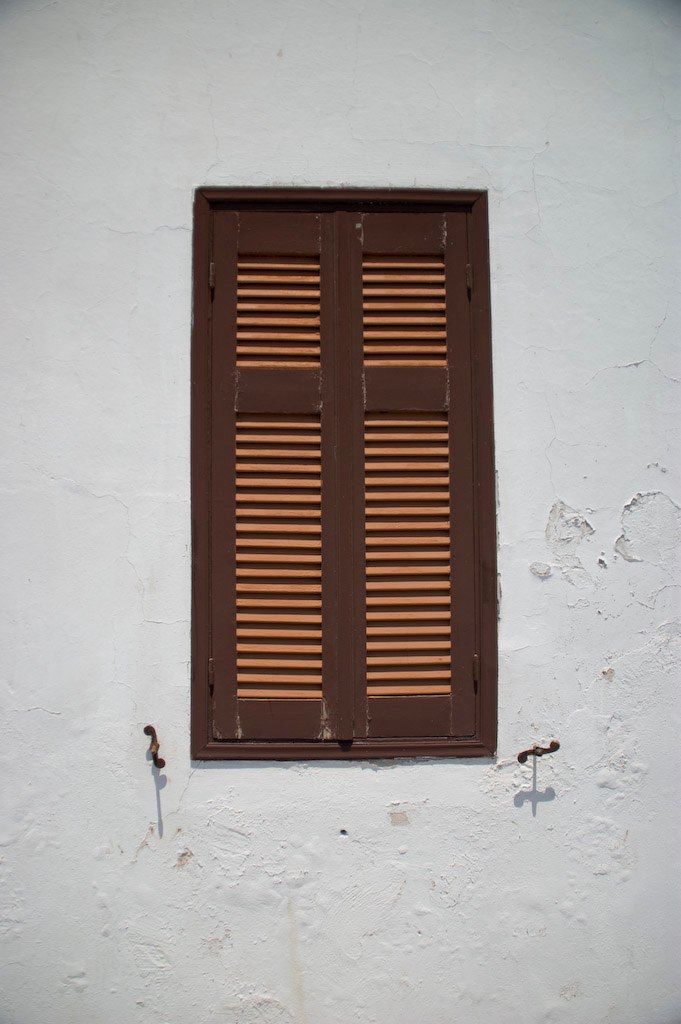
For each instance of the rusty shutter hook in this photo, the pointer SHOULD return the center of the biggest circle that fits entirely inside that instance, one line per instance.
(537, 751)
(154, 746)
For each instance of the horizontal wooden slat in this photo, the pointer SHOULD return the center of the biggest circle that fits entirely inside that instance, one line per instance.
(406, 691)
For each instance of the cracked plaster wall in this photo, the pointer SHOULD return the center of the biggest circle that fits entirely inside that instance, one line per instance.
(315, 894)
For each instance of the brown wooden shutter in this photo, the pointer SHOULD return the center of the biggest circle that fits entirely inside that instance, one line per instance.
(416, 610)
(343, 491)
(273, 657)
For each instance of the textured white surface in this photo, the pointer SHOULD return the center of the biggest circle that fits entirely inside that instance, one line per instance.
(447, 900)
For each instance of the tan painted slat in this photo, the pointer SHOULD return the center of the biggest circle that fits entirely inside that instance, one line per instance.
(280, 363)
(415, 495)
(278, 453)
(275, 572)
(257, 278)
(258, 693)
(282, 662)
(373, 435)
(390, 350)
(408, 556)
(275, 467)
(397, 585)
(279, 588)
(406, 691)
(259, 616)
(279, 321)
(417, 674)
(272, 263)
(424, 659)
(276, 558)
(278, 307)
(412, 419)
(267, 420)
(286, 499)
(278, 513)
(268, 602)
(407, 361)
(391, 614)
(248, 350)
(371, 278)
(405, 526)
(285, 484)
(399, 335)
(280, 648)
(408, 570)
(271, 438)
(276, 293)
(260, 542)
(413, 305)
(289, 678)
(408, 631)
(415, 511)
(379, 262)
(399, 452)
(414, 645)
(275, 632)
(425, 466)
(284, 528)
(381, 291)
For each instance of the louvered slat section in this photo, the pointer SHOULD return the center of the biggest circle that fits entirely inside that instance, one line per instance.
(278, 556)
(404, 311)
(278, 311)
(407, 554)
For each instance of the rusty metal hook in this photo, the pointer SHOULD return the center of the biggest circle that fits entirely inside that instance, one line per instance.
(537, 751)
(154, 746)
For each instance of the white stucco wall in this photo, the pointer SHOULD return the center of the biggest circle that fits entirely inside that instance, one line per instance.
(230, 894)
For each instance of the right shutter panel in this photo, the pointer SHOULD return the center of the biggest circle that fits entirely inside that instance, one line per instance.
(419, 522)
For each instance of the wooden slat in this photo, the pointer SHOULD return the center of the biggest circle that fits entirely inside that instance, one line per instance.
(407, 569)
(272, 326)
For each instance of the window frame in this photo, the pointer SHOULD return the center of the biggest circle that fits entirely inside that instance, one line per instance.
(205, 745)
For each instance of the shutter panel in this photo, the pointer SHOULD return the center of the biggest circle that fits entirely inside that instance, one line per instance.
(419, 528)
(273, 549)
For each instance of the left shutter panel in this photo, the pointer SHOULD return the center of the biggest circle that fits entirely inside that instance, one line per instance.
(273, 600)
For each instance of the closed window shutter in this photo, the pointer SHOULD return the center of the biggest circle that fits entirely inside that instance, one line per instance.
(273, 545)
(413, 411)
(344, 599)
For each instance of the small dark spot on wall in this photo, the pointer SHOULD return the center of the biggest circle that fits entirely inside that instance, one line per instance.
(184, 858)
(343, 832)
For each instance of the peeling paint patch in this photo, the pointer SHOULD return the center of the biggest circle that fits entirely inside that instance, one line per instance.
(651, 529)
(399, 818)
(609, 674)
(565, 530)
(541, 569)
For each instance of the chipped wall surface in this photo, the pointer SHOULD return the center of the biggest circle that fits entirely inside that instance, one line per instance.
(320, 893)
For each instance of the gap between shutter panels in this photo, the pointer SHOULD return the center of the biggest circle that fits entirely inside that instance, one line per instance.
(278, 570)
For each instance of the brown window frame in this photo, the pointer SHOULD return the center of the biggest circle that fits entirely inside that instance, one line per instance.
(480, 738)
